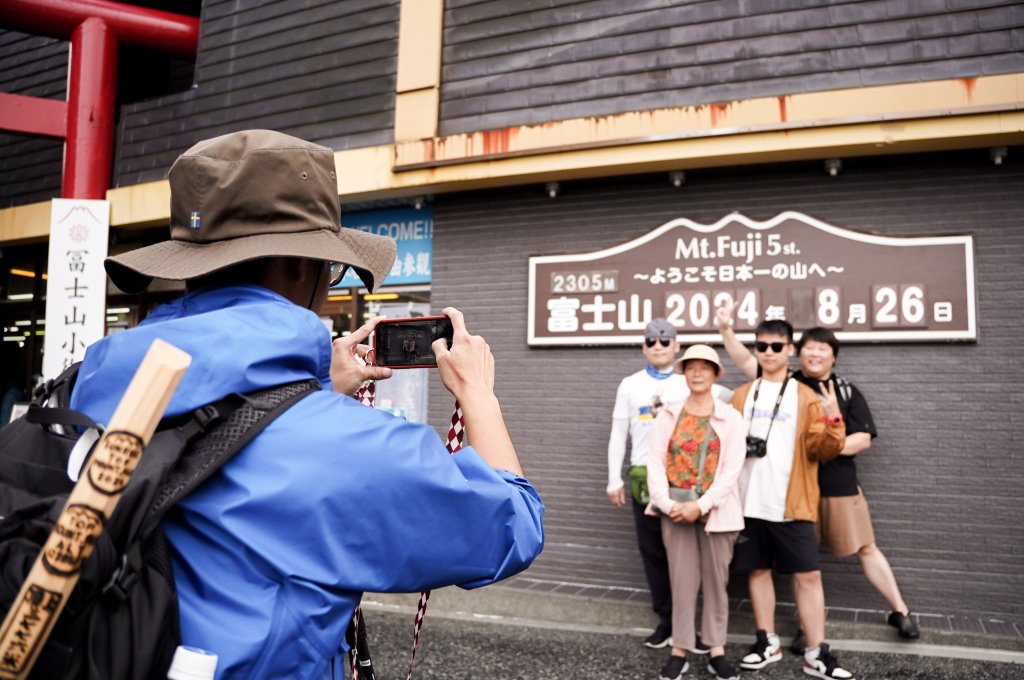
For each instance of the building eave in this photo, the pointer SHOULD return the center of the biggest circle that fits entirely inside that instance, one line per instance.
(890, 119)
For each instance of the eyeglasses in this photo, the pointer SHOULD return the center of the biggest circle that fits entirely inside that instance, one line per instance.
(664, 342)
(337, 272)
(776, 346)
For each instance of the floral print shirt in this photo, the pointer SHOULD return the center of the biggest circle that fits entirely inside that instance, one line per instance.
(682, 462)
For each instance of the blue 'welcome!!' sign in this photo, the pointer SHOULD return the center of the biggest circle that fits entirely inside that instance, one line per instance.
(412, 229)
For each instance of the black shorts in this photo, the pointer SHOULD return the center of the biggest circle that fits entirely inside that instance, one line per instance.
(790, 547)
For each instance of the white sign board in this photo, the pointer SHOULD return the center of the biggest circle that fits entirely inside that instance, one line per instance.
(76, 287)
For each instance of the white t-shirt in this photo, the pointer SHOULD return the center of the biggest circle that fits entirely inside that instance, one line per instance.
(639, 398)
(764, 481)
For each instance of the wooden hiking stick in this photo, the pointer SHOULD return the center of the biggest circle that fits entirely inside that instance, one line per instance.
(90, 504)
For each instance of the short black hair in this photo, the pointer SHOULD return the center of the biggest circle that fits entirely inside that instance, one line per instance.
(775, 327)
(819, 334)
(248, 271)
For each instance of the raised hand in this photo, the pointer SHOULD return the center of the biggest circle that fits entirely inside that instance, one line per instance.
(829, 400)
(723, 316)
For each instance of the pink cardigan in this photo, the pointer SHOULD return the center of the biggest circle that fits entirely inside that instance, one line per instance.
(721, 503)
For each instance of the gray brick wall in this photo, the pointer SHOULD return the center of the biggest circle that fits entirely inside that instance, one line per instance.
(508, 62)
(943, 479)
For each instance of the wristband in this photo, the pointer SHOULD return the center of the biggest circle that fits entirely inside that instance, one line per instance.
(832, 420)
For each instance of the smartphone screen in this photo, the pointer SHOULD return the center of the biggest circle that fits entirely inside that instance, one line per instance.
(405, 343)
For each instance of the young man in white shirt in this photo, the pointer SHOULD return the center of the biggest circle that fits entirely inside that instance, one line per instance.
(790, 429)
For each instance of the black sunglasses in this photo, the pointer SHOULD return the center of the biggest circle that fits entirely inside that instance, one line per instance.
(777, 347)
(665, 342)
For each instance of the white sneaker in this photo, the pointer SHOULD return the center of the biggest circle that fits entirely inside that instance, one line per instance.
(764, 651)
(826, 666)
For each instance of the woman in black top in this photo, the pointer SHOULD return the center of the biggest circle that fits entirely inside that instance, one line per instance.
(844, 518)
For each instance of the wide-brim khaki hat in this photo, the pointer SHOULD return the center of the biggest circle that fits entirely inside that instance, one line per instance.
(250, 195)
(705, 352)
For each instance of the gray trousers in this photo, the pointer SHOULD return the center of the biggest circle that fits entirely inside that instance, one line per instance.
(695, 560)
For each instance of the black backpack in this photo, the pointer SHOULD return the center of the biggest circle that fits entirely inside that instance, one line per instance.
(121, 621)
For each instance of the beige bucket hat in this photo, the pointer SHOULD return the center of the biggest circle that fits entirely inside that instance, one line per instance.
(705, 352)
(248, 195)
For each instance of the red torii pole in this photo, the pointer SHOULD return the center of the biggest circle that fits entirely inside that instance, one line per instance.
(86, 121)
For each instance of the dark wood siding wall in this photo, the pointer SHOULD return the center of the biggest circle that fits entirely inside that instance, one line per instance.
(943, 478)
(508, 62)
(30, 167)
(325, 69)
(322, 70)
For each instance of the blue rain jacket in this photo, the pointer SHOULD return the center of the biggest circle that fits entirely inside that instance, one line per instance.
(272, 554)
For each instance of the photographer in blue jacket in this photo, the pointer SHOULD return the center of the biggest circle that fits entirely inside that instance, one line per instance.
(271, 555)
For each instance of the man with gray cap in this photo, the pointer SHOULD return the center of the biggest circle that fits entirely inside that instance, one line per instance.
(272, 553)
(639, 398)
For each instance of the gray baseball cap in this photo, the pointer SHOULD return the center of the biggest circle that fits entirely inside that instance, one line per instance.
(660, 328)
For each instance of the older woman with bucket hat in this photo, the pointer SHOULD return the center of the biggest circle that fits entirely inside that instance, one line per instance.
(693, 470)
(272, 553)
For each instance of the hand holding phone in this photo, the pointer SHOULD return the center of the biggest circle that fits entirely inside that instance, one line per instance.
(349, 368)
(466, 368)
(467, 365)
(406, 343)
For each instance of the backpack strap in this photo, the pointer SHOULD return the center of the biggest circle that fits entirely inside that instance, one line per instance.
(238, 420)
(845, 388)
(51, 401)
(55, 415)
(211, 436)
(57, 390)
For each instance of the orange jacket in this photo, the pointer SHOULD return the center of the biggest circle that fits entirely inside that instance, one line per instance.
(816, 440)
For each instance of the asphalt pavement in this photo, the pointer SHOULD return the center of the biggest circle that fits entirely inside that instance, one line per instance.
(488, 648)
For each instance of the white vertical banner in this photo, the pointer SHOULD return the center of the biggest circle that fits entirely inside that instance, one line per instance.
(76, 287)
